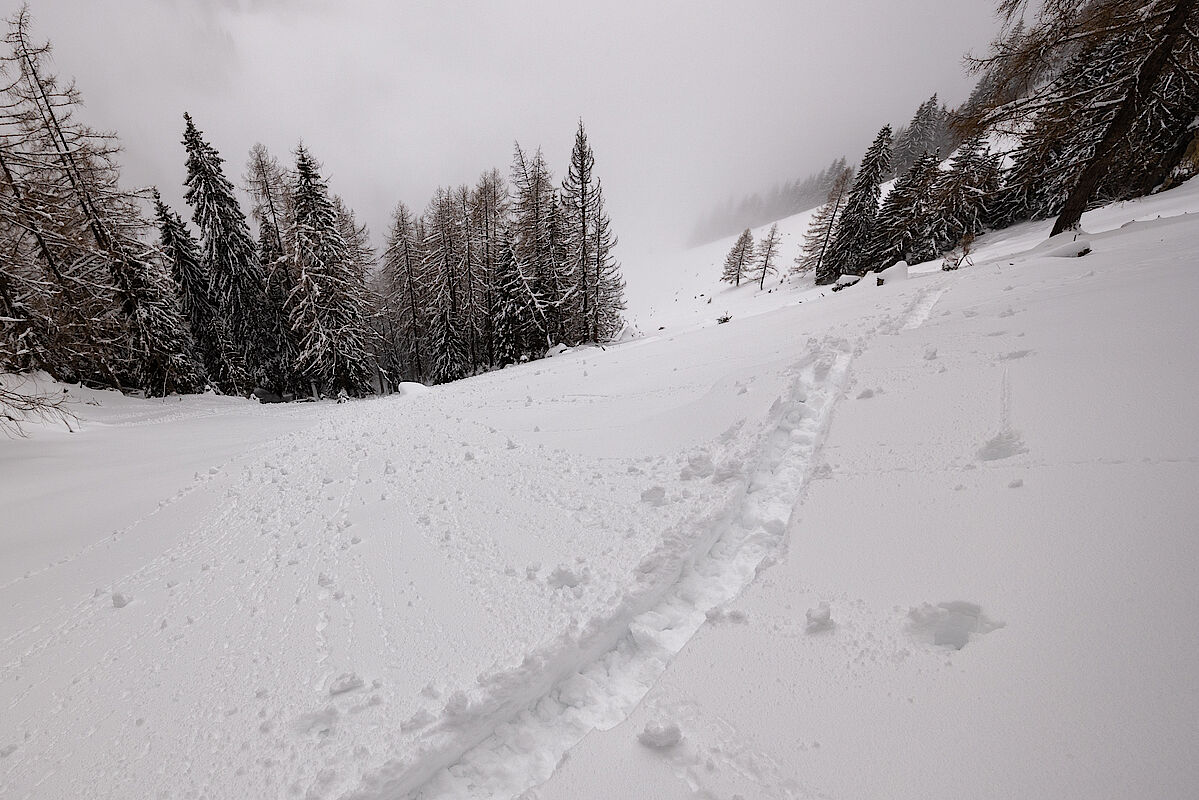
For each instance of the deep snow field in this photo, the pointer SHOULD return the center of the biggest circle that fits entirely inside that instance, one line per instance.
(931, 539)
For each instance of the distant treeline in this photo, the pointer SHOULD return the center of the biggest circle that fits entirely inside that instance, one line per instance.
(928, 130)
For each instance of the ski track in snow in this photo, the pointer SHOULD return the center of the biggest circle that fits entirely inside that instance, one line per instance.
(512, 735)
(922, 309)
(510, 741)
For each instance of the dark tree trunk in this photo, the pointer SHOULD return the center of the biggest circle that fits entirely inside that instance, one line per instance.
(1134, 100)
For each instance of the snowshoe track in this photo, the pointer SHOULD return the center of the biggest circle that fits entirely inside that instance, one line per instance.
(510, 733)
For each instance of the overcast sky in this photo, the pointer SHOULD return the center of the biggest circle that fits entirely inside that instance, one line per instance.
(686, 103)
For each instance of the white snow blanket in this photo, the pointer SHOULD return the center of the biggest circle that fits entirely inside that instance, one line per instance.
(931, 539)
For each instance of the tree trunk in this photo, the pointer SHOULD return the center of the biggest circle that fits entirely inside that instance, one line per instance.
(1126, 113)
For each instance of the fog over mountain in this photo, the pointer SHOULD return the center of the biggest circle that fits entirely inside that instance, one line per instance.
(686, 104)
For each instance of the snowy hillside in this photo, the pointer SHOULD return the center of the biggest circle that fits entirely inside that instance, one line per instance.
(684, 289)
(933, 539)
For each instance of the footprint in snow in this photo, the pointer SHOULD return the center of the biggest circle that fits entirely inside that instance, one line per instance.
(951, 624)
(655, 496)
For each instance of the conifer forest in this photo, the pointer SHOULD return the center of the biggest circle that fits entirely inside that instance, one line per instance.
(109, 287)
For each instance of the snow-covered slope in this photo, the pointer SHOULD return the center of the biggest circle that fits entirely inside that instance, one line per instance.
(441, 593)
(682, 290)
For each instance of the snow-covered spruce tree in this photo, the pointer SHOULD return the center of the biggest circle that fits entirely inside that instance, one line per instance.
(823, 223)
(510, 316)
(587, 244)
(403, 288)
(578, 212)
(279, 354)
(766, 256)
(124, 327)
(607, 320)
(229, 255)
(919, 137)
(360, 263)
(739, 260)
(849, 252)
(1128, 64)
(556, 284)
(194, 287)
(445, 250)
(164, 353)
(947, 138)
(519, 318)
(328, 316)
(450, 360)
(904, 228)
(964, 194)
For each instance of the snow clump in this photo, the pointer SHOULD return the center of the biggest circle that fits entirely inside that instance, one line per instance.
(820, 618)
(660, 735)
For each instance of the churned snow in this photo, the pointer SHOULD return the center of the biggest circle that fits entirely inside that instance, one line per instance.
(780, 557)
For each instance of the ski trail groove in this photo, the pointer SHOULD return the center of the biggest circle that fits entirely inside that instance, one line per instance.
(922, 309)
(509, 735)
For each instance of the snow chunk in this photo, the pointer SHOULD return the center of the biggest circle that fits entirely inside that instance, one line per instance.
(655, 496)
(820, 618)
(717, 614)
(421, 719)
(727, 470)
(628, 333)
(120, 600)
(898, 272)
(660, 734)
(411, 387)
(1005, 444)
(346, 682)
(949, 624)
(566, 578)
(698, 466)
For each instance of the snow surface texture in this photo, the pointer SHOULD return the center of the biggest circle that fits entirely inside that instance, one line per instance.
(1006, 604)
(693, 556)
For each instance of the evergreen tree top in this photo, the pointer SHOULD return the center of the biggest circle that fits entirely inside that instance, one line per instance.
(876, 161)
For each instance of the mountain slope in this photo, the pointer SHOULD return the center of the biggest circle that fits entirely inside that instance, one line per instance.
(444, 592)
